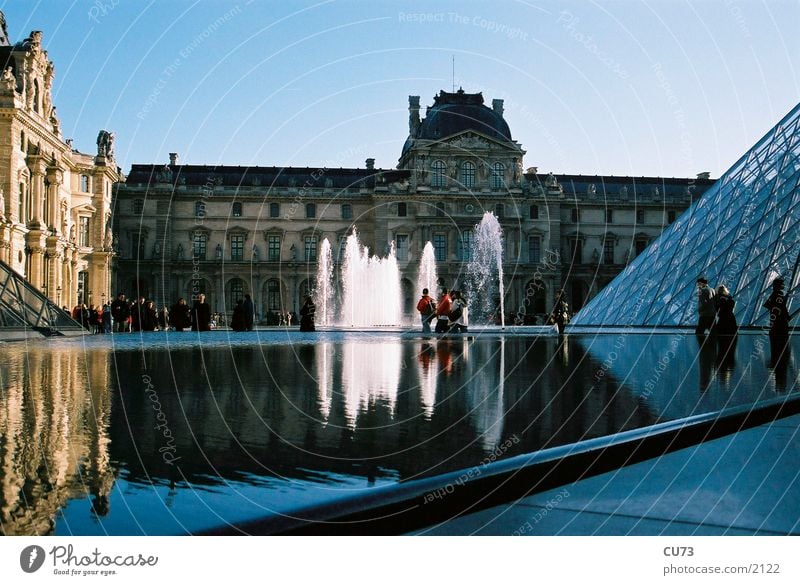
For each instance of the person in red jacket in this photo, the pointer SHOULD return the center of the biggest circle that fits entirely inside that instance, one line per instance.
(427, 309)
(442, 312)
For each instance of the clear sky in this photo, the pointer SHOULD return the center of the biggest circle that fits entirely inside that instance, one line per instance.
(665, 88)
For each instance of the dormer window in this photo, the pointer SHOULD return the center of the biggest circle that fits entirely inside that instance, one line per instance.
(438, 174)
(468, 175)
(498, 175)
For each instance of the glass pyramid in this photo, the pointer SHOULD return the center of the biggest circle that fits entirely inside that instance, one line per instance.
(743, 232)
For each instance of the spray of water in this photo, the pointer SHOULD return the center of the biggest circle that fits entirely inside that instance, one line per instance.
(427, 277)
(325, 289)
(485, 269)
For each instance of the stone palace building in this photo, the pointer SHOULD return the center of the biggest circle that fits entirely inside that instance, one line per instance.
(228, 230)
(55, 202)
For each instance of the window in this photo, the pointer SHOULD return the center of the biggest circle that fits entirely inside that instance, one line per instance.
(199, 209)
(273, 295)
(83, 234)
(468, 174)
(85, 183)
(576, 216)
(311, 248)
(274, 210)
(199, 245)
(347, 211)
(534, 249)
(440, 247)
(440, 209)
(640, 216)
(402, 209)
(608, 251)
(499, 210)
(22, 141)
(438, 174)
(138, 206)
(237, 247)
(534, 212)
(498, 175)
(311, 210)
(401, 247)
(237, 292)
(35, 95)
(465, 244)
(274, 248)
(671, 216)
(609, 216)
(640, 245)
(237, 210)
(137, 246)
(21, 203)
(575, 250)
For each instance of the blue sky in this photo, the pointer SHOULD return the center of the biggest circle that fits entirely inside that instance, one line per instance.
(667, 88)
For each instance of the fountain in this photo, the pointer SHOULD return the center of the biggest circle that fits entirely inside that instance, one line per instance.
(427, 272)
(485, 265)
(371, 287)
(325, 288)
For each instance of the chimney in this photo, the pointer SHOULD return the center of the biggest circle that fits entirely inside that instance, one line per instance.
(370, 162)
(497, 106)
(413, 114)
(704, 175)
(173, 158)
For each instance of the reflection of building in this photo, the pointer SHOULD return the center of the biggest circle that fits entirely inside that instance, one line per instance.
(55, 202)
(54, 416)
(227, 230)
(742, 233)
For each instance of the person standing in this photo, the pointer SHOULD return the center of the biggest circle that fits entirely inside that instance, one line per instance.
(458, 315)
(249, 313)
(706, 308)
(201, 314)
(237, 319)
(724, 303)
(106, 318)
(179, 316)
(560, 314)
(427, 310)
(307, 312)
(120, 311)
(443, 308)
(778, 319)
(138, 312)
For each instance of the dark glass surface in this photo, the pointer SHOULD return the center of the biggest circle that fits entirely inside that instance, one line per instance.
(173, 433)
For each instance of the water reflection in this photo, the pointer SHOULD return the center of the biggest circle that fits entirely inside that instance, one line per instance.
(129, 440)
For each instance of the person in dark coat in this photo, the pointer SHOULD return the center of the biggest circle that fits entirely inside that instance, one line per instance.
(201, 314)
(249, 312)
(238, 319)
(179, 316)
(149, 318)
(120, 311)
(778, 320)
(560, 314)
(137, 313)
(706, 309)
(726, 320)
(307, 315)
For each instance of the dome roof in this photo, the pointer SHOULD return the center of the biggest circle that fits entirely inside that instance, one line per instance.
(453, 113)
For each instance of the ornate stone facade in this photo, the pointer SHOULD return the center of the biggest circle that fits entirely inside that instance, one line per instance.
(227, 230)
(55, 202)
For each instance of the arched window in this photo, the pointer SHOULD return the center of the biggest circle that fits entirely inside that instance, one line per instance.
(468, 174)
(498, 175)
(236, 211)
(438, 174)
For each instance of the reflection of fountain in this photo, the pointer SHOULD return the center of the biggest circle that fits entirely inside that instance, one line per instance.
(370, 374)
(485, 396)
(324, 374)
(324, 291)
(371, 287)
(427, 277)
(426, 357)
(485, 266)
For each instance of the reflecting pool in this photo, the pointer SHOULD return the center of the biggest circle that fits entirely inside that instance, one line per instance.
(167, 433)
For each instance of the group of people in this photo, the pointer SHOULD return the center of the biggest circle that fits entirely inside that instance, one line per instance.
(715, 313)
(450, 312)
(141, 315)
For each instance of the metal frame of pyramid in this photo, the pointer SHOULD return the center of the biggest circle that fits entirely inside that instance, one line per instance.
(743, 232)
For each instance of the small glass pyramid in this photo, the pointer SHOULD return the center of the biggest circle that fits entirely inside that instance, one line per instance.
(743, 232)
